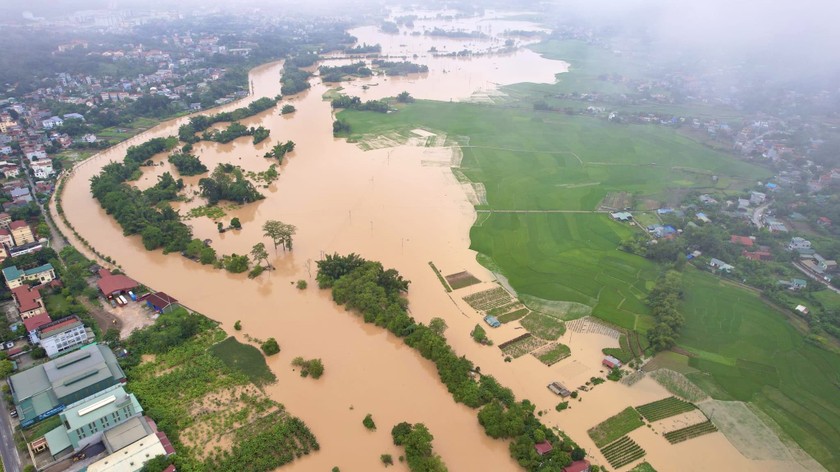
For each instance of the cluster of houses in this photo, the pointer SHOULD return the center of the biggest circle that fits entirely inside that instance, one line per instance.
(82, 383)
(16, 238)
(812, 261)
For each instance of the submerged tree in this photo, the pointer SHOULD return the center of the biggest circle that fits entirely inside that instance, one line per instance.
(280, 233)
(259, 253)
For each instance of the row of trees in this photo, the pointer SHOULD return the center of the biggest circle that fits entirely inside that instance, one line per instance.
(198, 123)
(400, 68)
(377, 294)
(664, 299)
(355, 103)
(417, 441)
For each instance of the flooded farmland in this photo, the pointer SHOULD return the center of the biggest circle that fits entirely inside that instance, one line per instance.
(402, 206)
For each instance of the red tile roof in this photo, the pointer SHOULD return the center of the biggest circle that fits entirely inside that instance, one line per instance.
(577, 466)
(26, 297)
(742, 240)
(37, 321)
(543, 448)
(18, 224)
(60, 325)
(164, 441)
(4, 232)
(160, 300)
(115, 283)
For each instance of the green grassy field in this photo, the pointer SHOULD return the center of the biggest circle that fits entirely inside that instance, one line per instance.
(553, 170)
(615, 427)
(244, 358)
(749, 352)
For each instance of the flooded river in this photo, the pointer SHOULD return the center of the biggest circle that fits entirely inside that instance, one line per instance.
(398, 205)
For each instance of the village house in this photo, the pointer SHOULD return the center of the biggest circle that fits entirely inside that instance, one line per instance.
(28, 300)
(720, 265)
(578, 466)
(5, 220)
(21, 233)
(760, 255)
(622, 216)
(757, 198)
(110, 284)
(52, 122)
(42, 169)
(16, 277)
(33, 323)
(826, 265)
(798, 243)
(61, 336)
(163, 303)
(611, 362)
(741, 240)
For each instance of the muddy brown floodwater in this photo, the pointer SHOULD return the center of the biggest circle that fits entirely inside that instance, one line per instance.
(401, 206)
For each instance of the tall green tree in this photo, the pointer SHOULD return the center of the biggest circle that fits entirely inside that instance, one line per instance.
(259, 253)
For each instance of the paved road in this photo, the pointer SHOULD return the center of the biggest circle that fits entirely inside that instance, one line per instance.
(758, 213)
(8, 449)
(56, 241)
(813, 276)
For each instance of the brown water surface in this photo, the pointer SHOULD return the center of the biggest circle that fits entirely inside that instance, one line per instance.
(403, 207)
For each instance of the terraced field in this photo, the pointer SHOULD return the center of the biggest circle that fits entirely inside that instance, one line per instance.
(622, 452)
(665, 408)
(615, 427)
(690, 432)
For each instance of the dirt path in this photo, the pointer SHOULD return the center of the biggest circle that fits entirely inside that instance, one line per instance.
(104, 318)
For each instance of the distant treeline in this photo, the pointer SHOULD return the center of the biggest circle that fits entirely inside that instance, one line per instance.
(355, 103)
(364, 48)
(400, 68)
(377, 294)
(339, 73)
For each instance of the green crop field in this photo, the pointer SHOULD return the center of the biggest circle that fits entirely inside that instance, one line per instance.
(750, 352)
(545, 174)
(615, 427)
(245, 358)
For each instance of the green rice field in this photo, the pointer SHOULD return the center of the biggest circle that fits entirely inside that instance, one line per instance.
(664, 408)
(615, 427)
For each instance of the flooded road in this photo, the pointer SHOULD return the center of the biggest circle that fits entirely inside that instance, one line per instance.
(401, 206)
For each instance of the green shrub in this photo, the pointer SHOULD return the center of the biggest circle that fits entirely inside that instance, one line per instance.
(270, 347)
(368, 422)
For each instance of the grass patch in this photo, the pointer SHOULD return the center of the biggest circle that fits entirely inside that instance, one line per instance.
(643, 467)
(440, 276)
(513, 316)
(665, 408)
(244, 358)
(553, 353)
(37, 430)
(543, 326)
(678, 384)
(615, 427)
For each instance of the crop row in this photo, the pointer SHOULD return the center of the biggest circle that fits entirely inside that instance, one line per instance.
(622, 452)
(664, 408)
(690, 432)
(488, 299)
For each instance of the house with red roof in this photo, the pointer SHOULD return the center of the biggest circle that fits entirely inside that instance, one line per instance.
(543, 448)
(61, 336)
(577, 466)
(757, 255)
(28, 300)
(110, 284)
(33, 323)
(741, 240)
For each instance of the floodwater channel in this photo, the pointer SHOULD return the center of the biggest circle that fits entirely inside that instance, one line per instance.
(402, 206)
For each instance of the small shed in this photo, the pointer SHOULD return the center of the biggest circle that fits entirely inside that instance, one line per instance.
(543, 448)
(558, 389)
(802, 309)
(492, 321)
(161, 302)
(611, 362)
